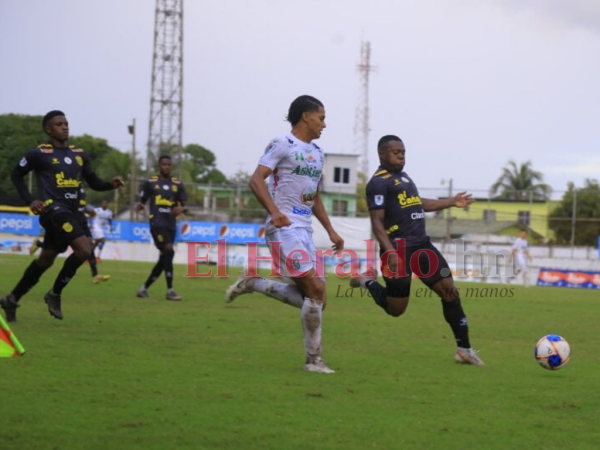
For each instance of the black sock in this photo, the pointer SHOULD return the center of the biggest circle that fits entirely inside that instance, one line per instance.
(29, 279)
(93, 265)
(67, 272)
(378, 292)
(156, 271)
(168, 265)
(455, 316)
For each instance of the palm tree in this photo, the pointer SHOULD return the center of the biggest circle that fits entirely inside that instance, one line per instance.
(518, 181)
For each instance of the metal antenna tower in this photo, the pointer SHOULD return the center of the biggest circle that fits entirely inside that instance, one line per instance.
(166, 96)
(361, 119)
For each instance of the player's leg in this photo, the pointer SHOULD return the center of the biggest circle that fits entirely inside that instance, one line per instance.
(393, 298)
(281, 291)
(313, 288)
(30, 278)
(436, 274)
(168, 254)
(82, 250)
(157, 270)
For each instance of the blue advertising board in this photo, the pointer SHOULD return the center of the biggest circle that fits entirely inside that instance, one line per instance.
(123, 230)
(569, 278)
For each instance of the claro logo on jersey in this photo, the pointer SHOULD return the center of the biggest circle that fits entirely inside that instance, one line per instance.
(307, 171)
(63, 182)
(405, 200)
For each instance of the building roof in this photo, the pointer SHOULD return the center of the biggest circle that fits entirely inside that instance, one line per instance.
(436, 227)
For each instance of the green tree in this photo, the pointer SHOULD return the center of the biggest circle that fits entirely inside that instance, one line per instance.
(587, 215)
(362, 209)
(517, 181)
(18, 134)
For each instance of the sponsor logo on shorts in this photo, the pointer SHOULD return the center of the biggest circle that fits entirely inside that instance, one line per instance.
(67, 227)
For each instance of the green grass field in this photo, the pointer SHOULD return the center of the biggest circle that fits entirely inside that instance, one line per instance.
(125, 373)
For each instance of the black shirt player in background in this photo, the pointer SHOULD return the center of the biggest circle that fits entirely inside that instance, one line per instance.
(398, 212)
(59, 169)
(167, 200)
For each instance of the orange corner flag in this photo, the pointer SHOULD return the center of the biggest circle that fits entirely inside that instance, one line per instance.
(9, 344)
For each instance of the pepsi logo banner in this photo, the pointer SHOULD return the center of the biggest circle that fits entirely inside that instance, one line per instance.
(569, 278)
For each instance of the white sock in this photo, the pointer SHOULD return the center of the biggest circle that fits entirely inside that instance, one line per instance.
(311, 315)
(286, 293)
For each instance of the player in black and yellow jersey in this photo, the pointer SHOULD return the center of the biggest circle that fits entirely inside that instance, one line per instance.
(59, 169)
(398, 221)
(166, 196)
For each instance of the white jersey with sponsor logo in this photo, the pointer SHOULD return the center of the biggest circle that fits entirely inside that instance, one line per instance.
(521, 245)
(297, 167)
(102, 217)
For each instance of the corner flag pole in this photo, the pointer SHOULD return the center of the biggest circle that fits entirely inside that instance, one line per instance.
(9, 344)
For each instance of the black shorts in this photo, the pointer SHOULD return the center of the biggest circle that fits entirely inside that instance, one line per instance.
(62, 228)
(425, 261)
(85, 226)
(162, 236)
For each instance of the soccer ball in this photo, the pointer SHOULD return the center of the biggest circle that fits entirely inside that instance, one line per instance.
(552, 352)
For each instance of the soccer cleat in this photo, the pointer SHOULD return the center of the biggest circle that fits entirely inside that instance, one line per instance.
(98, 278)
(172, 295)
(241, 286)
(468, 356)
(53, 302)
(9, 305)
(360, 281)
(142, 293)
(317, 365)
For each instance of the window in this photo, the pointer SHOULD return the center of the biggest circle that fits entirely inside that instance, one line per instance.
(341, 175)
(340, 208)
(337, 174)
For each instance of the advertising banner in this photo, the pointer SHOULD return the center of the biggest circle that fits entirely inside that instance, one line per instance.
(569, 278)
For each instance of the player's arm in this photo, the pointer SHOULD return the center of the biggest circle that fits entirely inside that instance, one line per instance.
(321, 215)
(94, 181)
(460, 200)
(378, 227)
(17, 175)
(259, 189)
(144, 196)
(180, 202)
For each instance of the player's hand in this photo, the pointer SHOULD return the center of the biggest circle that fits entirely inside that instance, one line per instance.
(462, 200)
(280, 220)
(139, 207)
(36, 207)
(338, 242)
(391, 269)
(117, 182)
(177, 210)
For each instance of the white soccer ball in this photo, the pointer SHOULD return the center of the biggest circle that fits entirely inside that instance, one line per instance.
(552, 352)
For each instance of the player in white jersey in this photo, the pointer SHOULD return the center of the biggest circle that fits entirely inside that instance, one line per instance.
(520, 252)
(294, 165)
(102, 222)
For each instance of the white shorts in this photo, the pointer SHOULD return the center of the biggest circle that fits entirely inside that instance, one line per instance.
(296, 244)
(97, 233)
(521, 262)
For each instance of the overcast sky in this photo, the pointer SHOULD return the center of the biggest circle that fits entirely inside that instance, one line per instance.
(467, 84)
